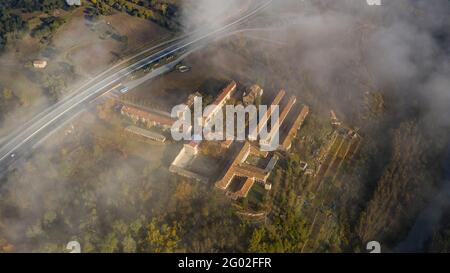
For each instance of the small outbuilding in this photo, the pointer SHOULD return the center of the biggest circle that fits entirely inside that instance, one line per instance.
(251, 94)
(73, 2)
(40, 64)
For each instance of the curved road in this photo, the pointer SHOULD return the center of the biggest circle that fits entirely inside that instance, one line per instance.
(21, 141)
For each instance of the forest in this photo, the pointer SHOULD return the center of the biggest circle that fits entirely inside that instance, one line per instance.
(125, 203)
(10, 25)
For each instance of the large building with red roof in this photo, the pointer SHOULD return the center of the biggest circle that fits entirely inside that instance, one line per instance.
(219, 102)
(148, 118)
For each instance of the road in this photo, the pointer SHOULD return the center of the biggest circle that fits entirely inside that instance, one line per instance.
(20, 142)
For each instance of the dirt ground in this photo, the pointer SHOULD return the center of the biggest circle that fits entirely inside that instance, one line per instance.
(139, 31)
(89, 46)
(210, 71)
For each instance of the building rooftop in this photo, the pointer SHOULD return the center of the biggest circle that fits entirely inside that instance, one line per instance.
(40, 63)
(295, 126)
(242, 155)
(250, 171)
(263, 120)
(243, 192)
(252, 93)
(145, 133)
(148, 115)
(193, 143)
(225, 92)
(230, 88)
(276, 127)
(241, 169)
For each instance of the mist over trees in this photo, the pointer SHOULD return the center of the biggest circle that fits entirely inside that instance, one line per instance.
(384, 71)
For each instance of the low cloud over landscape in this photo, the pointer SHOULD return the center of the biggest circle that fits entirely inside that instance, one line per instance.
(384, 70)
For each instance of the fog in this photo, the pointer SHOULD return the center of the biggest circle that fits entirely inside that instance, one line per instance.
(347, 49)
(201, 14)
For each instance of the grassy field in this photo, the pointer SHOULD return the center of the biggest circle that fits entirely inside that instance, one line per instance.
(78, 50)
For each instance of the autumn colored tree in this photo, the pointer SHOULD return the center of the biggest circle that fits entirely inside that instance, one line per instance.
(162, 238)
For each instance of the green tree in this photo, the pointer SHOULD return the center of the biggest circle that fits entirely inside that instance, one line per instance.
(7, 93)
(162, 239)
(110, 243)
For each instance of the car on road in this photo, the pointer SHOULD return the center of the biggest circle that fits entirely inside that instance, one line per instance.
(184, 68)
(124, 90)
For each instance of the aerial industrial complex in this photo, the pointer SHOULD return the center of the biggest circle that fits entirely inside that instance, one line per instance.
(236, 166)
(213, 126)
(239, 175)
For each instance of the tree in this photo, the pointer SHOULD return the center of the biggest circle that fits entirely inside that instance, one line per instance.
(9, 23)
(162, 239)
(54, 86)
(256, 244)
(407, 182)
(110, 243)
(104, 110)
(48, 26)
(129, 244)
(7, 93)
(5, 246)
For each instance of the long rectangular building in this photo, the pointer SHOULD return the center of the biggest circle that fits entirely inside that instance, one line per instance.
(149, 118)
(219, 102)
(145, 133)
(241, 157)
(265, 118)
(243, 192)
(276, 127)
(287, 142)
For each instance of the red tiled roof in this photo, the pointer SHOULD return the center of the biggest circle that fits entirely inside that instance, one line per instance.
(275, 128)
(263, 120)
(149, 116)
(238, 168)
(295, 126)
(226, 143)
(194, 143)
(250, 171)
(243, 192)
(39, 62)
(225, 92)
(226, 179)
